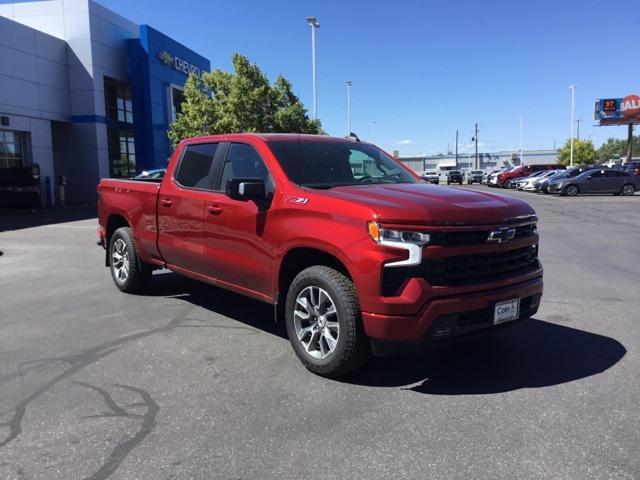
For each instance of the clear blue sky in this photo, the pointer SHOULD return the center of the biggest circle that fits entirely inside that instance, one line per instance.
(422, 69)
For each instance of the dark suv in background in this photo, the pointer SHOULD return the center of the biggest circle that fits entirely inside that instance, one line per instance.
(454, 176)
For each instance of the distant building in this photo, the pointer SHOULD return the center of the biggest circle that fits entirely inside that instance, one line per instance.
(486, 161)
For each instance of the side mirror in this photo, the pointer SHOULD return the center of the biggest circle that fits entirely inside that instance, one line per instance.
(245, 189)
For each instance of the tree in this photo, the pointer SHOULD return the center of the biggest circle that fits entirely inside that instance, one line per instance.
(197, 116)
(242, 101)
(584, 153)
(614, 148)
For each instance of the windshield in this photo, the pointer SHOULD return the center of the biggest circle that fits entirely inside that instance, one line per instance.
(476, 172)
(327, 164)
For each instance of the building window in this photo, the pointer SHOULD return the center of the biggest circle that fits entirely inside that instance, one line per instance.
(12, 149)
(177, 97)
(117, 98)
(122, 153)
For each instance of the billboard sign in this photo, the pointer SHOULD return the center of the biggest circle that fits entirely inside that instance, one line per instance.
(617, 111)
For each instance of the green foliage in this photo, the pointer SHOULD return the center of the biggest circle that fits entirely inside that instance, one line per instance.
(584, 153)
(242, 101)
(614, 148)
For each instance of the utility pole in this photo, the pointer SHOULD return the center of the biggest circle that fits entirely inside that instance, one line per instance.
(313, 22)
(456, 149)
(349, 83)
(475, 139)
(629, 153)
(573, 112)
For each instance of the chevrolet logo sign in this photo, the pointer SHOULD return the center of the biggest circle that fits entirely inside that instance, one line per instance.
(165, 57)
(501, 235)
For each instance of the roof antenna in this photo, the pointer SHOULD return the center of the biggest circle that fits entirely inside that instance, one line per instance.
(353, 136)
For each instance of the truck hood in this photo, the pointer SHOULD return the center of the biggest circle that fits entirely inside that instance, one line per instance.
(423, 204)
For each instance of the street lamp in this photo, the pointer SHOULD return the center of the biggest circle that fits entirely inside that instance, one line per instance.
(313, 22)
(521, 131)
(349, 83)
(573, 113)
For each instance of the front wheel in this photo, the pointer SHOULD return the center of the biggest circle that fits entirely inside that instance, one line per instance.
(571, 191)
(129, 273)
(324, 322)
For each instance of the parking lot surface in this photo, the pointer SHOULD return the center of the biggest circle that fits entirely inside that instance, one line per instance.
(189, 381)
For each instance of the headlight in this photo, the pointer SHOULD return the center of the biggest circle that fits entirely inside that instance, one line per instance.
(386, 235)
(412, 242)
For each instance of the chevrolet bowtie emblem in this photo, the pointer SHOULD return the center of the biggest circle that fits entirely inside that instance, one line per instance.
(502, 235)
(165, 57)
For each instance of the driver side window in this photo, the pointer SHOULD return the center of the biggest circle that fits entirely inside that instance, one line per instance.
(243, 161)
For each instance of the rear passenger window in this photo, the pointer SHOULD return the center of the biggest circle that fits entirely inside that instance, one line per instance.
(195, 169)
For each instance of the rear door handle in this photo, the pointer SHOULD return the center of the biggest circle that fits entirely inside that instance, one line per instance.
(214, 210)
(166, 202)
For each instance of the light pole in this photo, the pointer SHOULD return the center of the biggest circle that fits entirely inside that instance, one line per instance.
(521, 131)
(573, 113)
(313, 22)
(349, 83)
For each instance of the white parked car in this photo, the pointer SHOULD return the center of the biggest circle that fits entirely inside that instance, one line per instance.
(431, 176)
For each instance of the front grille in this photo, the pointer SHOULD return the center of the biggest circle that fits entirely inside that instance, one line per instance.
(458, 238)
(463, 269)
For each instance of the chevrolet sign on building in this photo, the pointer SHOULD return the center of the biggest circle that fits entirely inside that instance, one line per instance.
(179, 64)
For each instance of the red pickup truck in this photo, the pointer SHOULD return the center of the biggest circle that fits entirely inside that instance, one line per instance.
(349, 246)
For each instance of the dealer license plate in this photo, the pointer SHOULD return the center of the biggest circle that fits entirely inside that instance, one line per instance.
(506, 311)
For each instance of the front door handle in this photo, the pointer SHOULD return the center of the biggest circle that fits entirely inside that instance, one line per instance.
(214, 210)
(166, 202)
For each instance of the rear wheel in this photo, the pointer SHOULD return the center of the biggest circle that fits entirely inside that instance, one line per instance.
(628, 190)
(129, 273)
(571, 190)
(324, 322)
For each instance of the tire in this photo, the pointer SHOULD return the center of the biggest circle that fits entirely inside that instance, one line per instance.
(627, 190)
(129, 273)
(571, 190)
(327, 289)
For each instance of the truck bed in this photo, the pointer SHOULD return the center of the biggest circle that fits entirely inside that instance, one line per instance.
(136, 200)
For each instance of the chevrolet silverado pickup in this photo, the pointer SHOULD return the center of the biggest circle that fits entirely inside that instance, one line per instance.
(353, 250)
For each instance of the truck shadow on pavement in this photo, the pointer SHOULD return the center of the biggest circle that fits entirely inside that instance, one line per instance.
(250, 312)
(533, 354)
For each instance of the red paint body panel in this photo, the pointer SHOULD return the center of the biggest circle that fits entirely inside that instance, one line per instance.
(232, 244)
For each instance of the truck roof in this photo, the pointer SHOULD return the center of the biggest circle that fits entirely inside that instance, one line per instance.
(271, 137)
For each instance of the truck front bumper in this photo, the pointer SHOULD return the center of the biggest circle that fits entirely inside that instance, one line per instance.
(451, 316)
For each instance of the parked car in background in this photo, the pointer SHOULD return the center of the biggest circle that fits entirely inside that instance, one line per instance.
(492, 178)
(542, 184)
(612, 181)
(157, 174)
(346, 261)
(474, 176)
(522, 171)
(527, 183)
(431, 176)
(454, 176)
(632, 168)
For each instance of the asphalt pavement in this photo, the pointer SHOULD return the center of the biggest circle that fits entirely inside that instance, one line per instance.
(191, 382)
